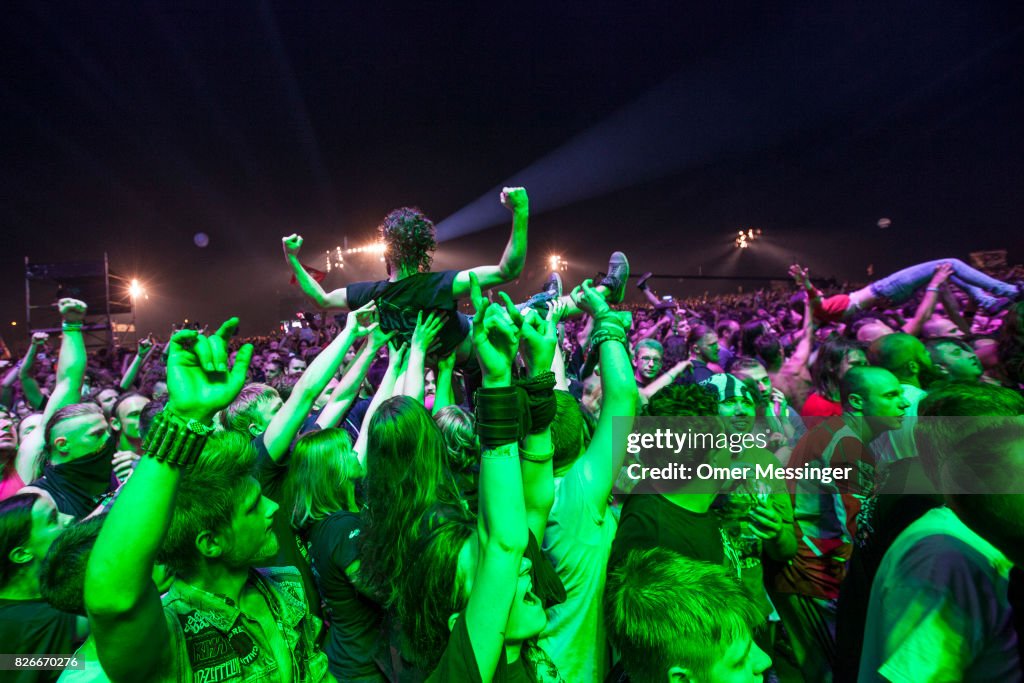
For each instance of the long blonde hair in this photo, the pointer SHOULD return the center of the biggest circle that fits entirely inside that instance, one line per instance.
(321, 476)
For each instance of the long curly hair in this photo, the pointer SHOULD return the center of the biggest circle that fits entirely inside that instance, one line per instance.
(409, 238)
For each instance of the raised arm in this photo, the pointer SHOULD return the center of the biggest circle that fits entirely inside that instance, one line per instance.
(72, 361)
(33, 395)
(348, 388)
(601, 462)
(396, 360)
(952, 308)
(666, 378)
(132, 371)
(502, 522)
(310, 287)
(538, 346)
(802, 353)
(444, 395)
(67, 390)
(931, 297)
(123, 603)
(514, 257)
(655, 329)
(285, 424)
(422, 341)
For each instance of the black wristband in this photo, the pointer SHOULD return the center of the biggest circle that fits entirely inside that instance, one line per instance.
(540, 400)
(497, 416)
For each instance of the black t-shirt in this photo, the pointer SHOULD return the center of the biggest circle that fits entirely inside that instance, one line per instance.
(33, 627)
(399, 302)
(355, 640)
(458, 663)
(695, 375)
(649, 520)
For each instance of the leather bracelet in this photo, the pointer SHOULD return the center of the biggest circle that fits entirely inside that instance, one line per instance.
(170, 440)
(540, 400)
(498, 413)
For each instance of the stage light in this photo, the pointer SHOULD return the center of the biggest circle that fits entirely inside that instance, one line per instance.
(556, 262)
(135, 289)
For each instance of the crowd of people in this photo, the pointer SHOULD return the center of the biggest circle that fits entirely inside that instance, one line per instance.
(397, 491)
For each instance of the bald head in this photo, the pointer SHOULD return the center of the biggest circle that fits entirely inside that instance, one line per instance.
(901, 354)
(861, 380)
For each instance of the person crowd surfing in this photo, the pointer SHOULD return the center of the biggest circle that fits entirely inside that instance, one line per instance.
(401, 492)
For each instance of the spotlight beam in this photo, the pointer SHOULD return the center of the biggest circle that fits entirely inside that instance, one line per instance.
(750, 100)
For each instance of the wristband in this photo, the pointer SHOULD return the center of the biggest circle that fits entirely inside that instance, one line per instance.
(71, 326)
(536, 457)
(497, 416)
(174, 441)
(931, 289)
(540, 400)
(506, 452)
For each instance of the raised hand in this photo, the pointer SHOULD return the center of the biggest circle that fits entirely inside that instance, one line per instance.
(379, 338)
(942, 273)
(495, 337)
(589, 300)
(363, 320)
(446, 364)
(39, 338)
(427, 330)
(539, 336)
(396, 355)
(515, 199)
(291, 244)
(800, 275)
(145, 345)
(72, 310)
(199, 381)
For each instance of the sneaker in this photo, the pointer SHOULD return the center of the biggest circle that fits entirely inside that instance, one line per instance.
(642, 282)
(615, 280)
(552, 290)
(996, 304)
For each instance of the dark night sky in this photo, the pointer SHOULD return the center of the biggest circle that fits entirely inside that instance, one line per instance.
(130, 126)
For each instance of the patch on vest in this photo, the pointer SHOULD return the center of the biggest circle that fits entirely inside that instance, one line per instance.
(212, 656)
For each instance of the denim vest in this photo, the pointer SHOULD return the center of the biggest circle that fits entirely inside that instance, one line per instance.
(213, 641)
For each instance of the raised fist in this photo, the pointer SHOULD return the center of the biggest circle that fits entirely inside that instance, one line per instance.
(39, 338)
(515, 199)
(291, 244)
(72, 310)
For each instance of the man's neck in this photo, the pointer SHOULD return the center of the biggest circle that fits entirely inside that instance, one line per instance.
(220, 580)
(913, 381)
(402, 273)
(24, 585)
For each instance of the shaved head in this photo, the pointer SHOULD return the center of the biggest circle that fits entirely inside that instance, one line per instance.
(861, 379)
(895, 352)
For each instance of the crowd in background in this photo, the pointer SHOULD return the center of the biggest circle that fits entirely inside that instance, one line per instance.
(394, 491)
